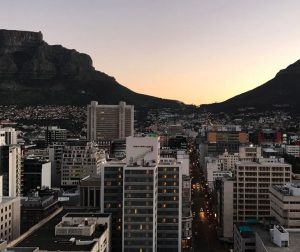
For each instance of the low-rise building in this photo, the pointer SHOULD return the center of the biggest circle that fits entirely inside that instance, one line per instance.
(72, 231)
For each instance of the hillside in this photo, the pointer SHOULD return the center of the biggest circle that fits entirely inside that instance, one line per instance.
(35, 73)
(281, 92)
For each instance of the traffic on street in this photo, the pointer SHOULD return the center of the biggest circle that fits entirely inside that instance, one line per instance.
(204, 218)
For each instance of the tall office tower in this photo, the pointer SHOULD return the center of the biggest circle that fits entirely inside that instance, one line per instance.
(169, 209)
(144, 196)
(251, 188)
(9, 216)
(187, 217)
(112, 199)
(109, 122)
(80, 159)
(55, 134)
(140, 195)
(36, 174)
(10, 169)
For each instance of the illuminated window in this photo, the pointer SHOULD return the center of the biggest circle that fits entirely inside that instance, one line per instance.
(135, 211)
(165, 191)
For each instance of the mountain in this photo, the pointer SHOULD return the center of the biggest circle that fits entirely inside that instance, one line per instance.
(281, 92)
(35, 73)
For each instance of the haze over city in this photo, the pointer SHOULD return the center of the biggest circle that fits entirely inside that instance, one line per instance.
(183, 50)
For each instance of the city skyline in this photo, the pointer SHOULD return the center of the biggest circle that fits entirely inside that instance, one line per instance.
(183, 51)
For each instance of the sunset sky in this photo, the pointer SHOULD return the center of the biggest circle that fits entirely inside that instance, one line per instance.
(195, 51)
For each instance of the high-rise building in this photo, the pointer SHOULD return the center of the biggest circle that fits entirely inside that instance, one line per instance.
(109, 121)
(187, 217)
(80, 159)
(55, 134)
(10, 135)
(112, 199)
(10, 169)
(169, 205)
(144, 195)
(36, 174)
(251, 188)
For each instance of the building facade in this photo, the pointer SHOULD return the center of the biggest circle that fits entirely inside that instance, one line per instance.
(10, 169)
(109, 122)
(79, 160)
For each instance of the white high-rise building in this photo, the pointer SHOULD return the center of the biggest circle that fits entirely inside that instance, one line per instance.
(145, 194)
(152, 189)
(109, 121)
(10, 135)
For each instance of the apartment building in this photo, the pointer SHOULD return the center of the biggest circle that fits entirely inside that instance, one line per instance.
(285, 204)
(109, 122)
(251, 188)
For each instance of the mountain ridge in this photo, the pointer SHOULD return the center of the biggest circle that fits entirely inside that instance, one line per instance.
(32, 72)
(281, 92)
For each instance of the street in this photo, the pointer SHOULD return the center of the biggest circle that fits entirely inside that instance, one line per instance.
(204, 219)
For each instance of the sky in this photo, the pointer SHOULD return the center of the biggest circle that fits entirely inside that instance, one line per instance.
(195, 51)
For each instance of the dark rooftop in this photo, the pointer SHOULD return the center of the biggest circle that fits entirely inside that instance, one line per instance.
(45, 238)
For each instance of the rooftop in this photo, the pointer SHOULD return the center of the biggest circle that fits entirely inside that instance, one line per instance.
(288, 189)
(294, 241)
(45, 238)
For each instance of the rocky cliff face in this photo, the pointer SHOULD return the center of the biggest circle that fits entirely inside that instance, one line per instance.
(14, 41)
(33, 72)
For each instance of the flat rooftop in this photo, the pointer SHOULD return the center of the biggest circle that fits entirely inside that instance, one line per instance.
(45, 238)
(294, 241)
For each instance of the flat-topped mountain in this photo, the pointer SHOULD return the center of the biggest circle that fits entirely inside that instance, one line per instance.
(35, 73)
